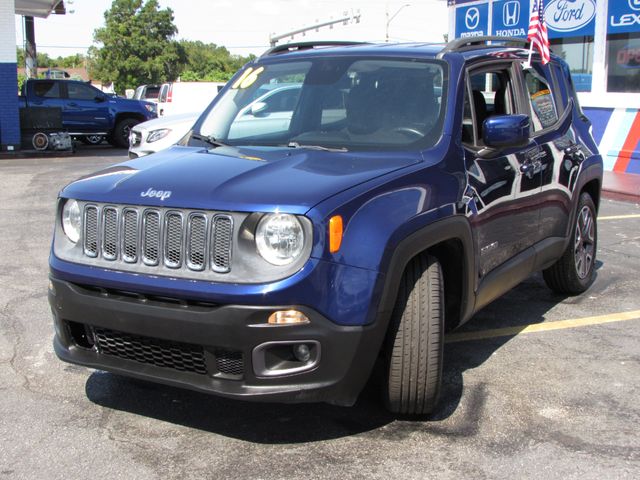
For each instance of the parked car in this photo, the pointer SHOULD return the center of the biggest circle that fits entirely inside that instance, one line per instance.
(412, 186)
(147, 92)
(185, 97)
(86, 111)
(159, 133)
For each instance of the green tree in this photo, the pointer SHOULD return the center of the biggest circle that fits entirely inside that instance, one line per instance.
(137, 45)
(209, 62)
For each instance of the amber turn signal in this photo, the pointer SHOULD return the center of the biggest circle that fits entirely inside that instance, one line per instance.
(287, 317)
(335, 233)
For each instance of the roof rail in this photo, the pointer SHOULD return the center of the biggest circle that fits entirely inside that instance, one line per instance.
(290, 47)
(471, 43)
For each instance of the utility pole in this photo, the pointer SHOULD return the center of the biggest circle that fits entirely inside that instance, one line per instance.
(346, 18)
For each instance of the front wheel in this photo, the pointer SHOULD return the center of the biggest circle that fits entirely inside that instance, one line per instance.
(415, 342)
(574, 272)
(121, 133)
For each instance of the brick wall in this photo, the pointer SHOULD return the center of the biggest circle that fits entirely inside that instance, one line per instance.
(9, 112)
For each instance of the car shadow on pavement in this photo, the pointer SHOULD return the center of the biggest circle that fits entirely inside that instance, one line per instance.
(102, 150)
(281, 423)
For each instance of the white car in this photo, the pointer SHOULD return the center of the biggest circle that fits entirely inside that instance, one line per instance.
(159, 133)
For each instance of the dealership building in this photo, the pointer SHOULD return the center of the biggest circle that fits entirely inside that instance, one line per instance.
(599, 39)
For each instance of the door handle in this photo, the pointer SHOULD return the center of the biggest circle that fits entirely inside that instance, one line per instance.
(72, 104)
(528, 169)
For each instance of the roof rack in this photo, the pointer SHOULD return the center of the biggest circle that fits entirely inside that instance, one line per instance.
(471, 43)
(290, 47)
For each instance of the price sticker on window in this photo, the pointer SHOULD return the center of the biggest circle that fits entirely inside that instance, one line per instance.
(248, 77)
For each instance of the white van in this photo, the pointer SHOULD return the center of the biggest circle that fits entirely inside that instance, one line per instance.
(184, 97)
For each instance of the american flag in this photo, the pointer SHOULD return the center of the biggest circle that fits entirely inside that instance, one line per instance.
(538, 31)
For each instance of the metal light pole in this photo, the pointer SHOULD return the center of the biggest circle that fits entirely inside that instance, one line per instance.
(386, 38)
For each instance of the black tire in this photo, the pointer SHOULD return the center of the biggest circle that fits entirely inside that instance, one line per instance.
(92, 139)
(120, 136)
(414, 344)
(574, 272)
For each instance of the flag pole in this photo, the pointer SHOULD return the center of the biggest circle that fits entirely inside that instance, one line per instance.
(528, 63)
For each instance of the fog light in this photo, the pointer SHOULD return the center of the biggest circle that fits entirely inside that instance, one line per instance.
(287, 317)
(302, 352)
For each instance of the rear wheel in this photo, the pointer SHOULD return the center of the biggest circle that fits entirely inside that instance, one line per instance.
(414, 345)
(574, 272)
(120, 137)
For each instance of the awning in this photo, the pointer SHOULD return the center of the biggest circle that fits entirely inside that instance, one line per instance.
(39, 8)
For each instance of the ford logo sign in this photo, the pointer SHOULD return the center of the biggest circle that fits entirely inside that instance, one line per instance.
(569, 15)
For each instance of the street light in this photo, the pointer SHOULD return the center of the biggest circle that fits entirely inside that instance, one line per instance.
(391, 18)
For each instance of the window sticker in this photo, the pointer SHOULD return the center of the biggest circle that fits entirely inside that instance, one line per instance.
(542, 103)
(248, 77)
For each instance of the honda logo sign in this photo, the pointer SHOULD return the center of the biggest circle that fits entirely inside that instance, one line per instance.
(511, 13)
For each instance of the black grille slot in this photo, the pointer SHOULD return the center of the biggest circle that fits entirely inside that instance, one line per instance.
(229, 362)
(196, 241)
(91, 231)
(222, 238)
(109, 233)
(151, 351)
(130, 236)
(173, 240)
(151, 237)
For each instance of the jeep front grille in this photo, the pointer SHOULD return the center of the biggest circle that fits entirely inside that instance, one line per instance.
(131, 236)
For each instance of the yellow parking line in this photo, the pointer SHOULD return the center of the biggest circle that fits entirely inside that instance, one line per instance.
(542, 327)
(619, 217)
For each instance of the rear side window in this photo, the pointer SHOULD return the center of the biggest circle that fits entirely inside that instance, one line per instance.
(162, 97)
(47, 89)
(542, 98)
(77, 91)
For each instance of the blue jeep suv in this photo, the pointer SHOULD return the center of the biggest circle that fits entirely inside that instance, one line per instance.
(281, 251)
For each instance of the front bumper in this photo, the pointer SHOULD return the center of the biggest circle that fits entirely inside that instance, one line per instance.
(227, 350)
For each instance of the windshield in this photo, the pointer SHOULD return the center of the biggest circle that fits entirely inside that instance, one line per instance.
(336, 102)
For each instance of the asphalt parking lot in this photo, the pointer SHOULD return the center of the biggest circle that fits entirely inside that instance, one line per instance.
(527, 394)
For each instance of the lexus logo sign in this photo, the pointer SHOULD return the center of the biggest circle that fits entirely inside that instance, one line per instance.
(634, 4)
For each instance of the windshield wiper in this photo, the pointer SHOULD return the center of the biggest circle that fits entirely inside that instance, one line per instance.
(209, 139)
(316, 147)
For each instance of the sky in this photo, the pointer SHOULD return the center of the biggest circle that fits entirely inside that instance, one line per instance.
(244, 26)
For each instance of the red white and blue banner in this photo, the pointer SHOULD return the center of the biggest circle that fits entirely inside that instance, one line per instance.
(617, 133)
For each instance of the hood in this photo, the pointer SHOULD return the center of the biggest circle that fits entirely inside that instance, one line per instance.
(236, 179)
(172, 121)
(131, 102)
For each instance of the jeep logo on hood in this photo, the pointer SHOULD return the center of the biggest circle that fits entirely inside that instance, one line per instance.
(161, 194)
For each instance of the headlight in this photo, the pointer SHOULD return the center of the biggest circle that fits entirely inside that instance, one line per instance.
(156, 135)
(152, 107)
(71, 220)
(279, 238)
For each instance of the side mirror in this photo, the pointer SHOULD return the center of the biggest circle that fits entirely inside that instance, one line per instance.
(100, 98)
(258, 108)
(500, 131)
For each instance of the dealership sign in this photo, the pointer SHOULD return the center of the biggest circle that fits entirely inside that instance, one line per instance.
(564, 18)
(510, 18)
(624, 16)
(571, 18)
(472, 21)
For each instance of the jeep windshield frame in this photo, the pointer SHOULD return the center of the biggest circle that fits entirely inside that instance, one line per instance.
(336, 102)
